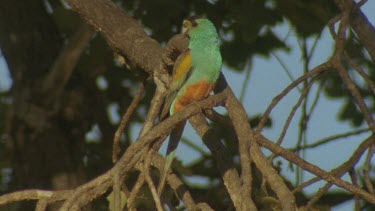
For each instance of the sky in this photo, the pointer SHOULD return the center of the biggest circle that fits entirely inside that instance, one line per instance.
(267, 80)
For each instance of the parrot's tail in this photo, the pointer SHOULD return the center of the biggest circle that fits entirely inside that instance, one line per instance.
(174, 139)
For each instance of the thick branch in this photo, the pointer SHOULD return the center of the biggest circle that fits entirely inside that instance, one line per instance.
(121, 31)
(51, 196)
(225, 165)
(243, 130)
(362, 27)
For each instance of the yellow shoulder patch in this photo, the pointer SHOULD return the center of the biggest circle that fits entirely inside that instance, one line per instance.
(183, 65)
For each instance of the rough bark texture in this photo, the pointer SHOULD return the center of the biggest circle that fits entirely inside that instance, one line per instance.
(116, 25)
(361, 25)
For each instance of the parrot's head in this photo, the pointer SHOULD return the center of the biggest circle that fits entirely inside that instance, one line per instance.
(198, 26)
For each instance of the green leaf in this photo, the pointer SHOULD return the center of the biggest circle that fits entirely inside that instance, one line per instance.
(111, 200)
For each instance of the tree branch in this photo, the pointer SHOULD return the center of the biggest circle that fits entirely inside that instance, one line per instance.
(133, 105)
(336, 61)
(175, 183)
(33, 194)
(314, 169)
(122, 32)
(362, 27)
(317, 70)
(247, 140)
(225, 165)
(91, 190)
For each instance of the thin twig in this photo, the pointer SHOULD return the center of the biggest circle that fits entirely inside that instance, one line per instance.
(291, 115)
(302, 132)
(355, 93)
(294, 109)
(366, 169)
(344, 167)
(315, 101)
(329, 139)
(331, 25)
(152, 186)
(317, 70)
(361, 72)
(313, 47)
(337, 63)
(135, 190)
(288, 73)
(246, 81)
(175, 183)
(194, 146)
(125, 118)
(354, 178)
(360, 24)
(156, 103)
(314, 169)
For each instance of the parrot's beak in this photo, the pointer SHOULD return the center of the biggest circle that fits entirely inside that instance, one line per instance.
(186, 25)
(184, 30)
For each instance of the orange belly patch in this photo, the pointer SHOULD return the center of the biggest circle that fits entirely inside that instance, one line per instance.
(192, 93)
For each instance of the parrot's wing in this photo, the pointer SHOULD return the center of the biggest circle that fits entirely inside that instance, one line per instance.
(181, 72)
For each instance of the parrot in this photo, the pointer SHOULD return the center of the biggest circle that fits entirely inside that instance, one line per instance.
(194, 75)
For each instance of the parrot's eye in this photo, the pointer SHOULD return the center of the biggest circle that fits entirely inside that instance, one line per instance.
(193, 23)
(189, 24)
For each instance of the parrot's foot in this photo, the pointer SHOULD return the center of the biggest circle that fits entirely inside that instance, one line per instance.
(196, 104)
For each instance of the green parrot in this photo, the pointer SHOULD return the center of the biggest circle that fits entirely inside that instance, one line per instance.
(194, 76)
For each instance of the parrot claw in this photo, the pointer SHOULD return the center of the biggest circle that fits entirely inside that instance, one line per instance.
(200, 108)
